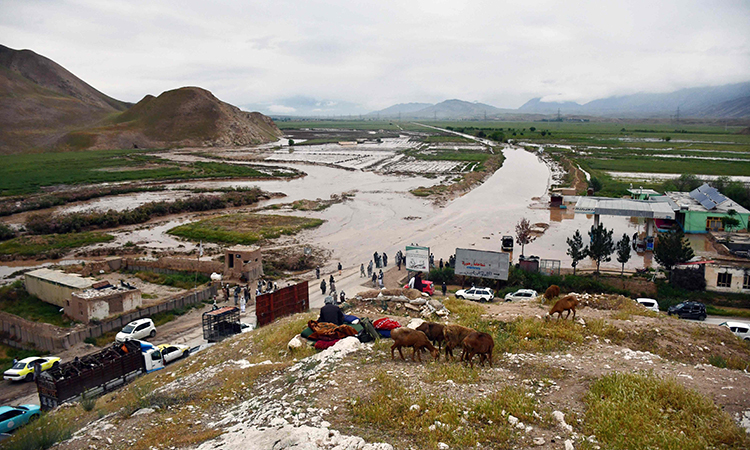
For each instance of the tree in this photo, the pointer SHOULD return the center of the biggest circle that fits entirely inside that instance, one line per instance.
(595, 184)
(686, 182)
(291, 142)
(576, 250)
(523, 233)
(601, 246)
(623, 251)
(532, 129)
(671, 249)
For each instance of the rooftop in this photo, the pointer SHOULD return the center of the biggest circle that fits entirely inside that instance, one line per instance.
(624, 207)
(61, 278)
(685, 200)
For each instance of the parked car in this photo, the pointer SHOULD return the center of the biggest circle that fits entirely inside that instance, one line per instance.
(12, 417)
(24, 369)
(476, 294)
(689, 310)
(649, 303)
(171, 352)
(506, 243)
(521, 294)
(427, 287)
(137, 329)
(740, 329)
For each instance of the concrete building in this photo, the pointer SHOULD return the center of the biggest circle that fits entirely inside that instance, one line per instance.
(54, 286)
(702, 210)
(643, 194)
(102, 301)
(243, 262)
(726, 277)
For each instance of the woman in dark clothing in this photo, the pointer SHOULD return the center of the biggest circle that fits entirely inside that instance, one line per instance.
(323, 287)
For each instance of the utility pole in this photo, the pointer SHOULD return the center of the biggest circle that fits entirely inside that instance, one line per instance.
(559, 118)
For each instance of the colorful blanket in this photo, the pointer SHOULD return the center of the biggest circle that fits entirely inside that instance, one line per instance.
(328, 332)
(386, 324)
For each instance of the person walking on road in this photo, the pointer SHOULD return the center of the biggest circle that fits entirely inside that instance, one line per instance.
(380, 279)
(385, 260)
(333, 288)
(374, 280)
(362, 270)
(340, 267)
(323, 287)
(330, 279)
(369, 269)
(445, 288)
(317, 272)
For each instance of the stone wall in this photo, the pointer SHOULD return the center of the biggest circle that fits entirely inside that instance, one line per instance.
(18, 332)
(174, 265)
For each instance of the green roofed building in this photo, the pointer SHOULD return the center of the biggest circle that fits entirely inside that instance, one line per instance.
(704, 209)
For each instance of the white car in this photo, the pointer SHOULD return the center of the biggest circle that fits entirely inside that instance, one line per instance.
(171, 352)
(476, 294)
(740, 329)
(521, 294)
(137, 329)
(649, 303)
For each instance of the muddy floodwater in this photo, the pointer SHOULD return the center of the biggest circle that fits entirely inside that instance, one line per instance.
(384, 216)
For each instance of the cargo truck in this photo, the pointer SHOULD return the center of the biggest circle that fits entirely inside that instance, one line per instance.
(220, 323)
(97, 373)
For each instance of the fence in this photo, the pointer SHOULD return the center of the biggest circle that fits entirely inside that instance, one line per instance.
(174, 266)
(290, 300)
(18, 332)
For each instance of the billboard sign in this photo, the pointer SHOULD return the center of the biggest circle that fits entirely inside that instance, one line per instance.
(482, 264)
(417, 258)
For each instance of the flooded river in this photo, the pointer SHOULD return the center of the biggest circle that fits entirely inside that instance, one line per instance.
(384, 216)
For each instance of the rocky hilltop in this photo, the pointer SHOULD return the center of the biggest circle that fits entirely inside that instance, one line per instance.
(43, 106)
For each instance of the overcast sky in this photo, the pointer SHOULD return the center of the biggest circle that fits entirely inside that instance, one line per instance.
(349, 56)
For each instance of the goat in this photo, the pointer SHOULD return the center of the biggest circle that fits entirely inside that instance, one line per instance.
(434, 332)
(406, 337)
(567, 303)
(478, 343)
(454, 337)
(552, 292)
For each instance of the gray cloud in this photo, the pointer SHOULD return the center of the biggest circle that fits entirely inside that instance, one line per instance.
(362, 56)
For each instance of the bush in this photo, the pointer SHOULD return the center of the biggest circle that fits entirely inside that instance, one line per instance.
(88, 402)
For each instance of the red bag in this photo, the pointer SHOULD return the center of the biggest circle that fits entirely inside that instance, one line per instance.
(322, 345)
(386, 324)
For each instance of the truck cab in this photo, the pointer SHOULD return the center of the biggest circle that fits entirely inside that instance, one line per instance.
(151, 356)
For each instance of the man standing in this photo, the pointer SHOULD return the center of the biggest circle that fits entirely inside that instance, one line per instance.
(317, 272)
(374, 279)
(362, 270)
(340, 267)
(445, 288)
(385, 260)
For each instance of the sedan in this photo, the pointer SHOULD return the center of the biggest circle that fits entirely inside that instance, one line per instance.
(171, 352)
(12, 417)
(740, 329)
(521, 294)
(476, 294)
(24, 369)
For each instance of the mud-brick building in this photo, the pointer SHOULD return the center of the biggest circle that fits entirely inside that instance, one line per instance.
(101, 301)
(55, 286)
(726, 276)
(243, 262)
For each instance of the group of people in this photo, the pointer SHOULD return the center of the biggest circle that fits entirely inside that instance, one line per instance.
(331, 286)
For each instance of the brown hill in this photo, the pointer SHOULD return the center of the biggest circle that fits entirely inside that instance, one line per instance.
(184, 117)
(43, 106)
(40, 101)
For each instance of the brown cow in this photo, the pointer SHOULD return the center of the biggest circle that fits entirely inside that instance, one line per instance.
(478, 343)
(567, 303)
(454, 337)
(434, 332)
(406, 337)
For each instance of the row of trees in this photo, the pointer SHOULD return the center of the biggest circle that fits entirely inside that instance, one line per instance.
(670, 250)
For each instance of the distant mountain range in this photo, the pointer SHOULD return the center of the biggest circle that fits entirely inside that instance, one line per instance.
(731, 101)
(45, 107)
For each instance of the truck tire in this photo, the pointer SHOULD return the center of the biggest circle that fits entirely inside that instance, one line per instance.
(153, 333)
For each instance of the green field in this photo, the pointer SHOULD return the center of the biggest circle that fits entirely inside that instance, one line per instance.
(50, 245)
(28, 173)
(244, 229)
